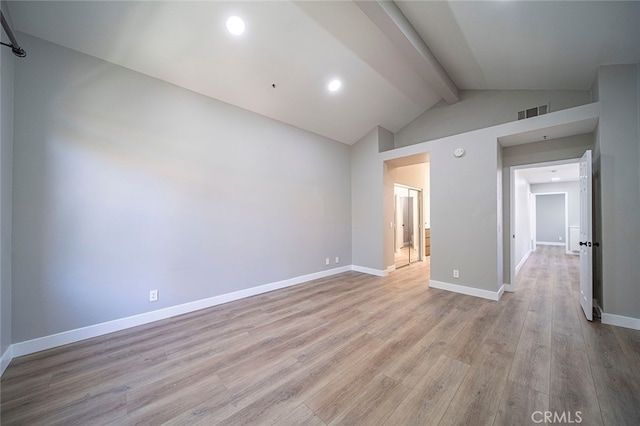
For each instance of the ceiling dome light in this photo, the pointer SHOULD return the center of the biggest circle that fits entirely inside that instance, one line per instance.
(334, 85)
(235, 25)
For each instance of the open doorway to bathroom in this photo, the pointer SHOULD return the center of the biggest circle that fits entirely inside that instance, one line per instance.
(407, 203)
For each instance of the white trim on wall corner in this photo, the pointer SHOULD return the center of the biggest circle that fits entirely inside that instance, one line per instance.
(370, 271)
(524, 259)
(620, 321)
(509, 287)
(6, 358)
(71, 336)
(501, 291)
(469, 291)
(617, 320)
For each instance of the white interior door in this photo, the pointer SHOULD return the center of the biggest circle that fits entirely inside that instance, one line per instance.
(586, 244)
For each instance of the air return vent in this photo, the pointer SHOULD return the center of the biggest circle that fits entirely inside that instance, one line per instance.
(533, 112)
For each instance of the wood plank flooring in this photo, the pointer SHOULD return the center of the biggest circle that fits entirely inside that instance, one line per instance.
(349, 349)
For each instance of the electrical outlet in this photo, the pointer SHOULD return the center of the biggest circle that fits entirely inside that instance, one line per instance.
(153, 296)
(456, 273)
(337, 259)
(326, 262)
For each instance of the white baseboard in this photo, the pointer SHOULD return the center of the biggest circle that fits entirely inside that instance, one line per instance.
(370, 271)
(524, 259)
(509, 287)
(617, 320)
(620, 321)
(391, 268)
(549, 243)
(501, 291)
(71, 336)
(76, 335)
(6, 358)
(469, 291)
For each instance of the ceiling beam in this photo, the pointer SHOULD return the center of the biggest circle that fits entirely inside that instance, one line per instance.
(389, 18)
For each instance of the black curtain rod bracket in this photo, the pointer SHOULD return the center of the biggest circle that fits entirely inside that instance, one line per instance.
(15, 47)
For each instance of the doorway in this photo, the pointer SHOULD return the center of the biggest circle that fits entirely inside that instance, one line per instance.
(531, 183)
(407, 177)
(408, 232)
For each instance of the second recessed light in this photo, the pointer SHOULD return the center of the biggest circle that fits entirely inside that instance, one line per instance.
(235, 25)
(334, 85)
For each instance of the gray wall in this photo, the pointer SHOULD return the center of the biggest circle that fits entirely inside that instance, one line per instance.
(481, 109)
(571, 147)
(366, 187)
(550, 211)
(463, 201)
(124, 183)
(6, 158)
(462, 212)
(618, 164)
(573, 193)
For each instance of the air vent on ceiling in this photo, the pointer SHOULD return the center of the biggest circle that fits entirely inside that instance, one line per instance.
(533, 112)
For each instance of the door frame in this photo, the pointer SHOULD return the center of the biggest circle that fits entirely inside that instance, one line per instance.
(512, 212)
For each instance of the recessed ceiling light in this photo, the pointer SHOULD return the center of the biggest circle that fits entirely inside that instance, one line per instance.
(334, 85)
(235, 25)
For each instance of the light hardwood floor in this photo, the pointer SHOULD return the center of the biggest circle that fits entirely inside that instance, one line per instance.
(349, 349)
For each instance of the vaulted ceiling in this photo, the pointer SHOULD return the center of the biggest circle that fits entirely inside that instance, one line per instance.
(395, 60)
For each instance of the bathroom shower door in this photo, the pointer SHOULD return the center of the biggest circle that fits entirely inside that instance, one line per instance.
(408, 236)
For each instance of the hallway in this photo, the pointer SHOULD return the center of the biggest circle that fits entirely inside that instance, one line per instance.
(579, 365)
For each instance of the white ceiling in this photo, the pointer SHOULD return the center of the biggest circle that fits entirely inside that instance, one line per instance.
(561, 172)
(527, 44)
(300, 46)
